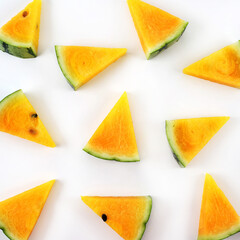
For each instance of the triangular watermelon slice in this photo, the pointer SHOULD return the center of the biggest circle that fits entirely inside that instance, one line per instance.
(19, 214)
(115, 138)
(127, 216)
(188, 136)
(156, 28)
(80, 64)
(218, 218)
(19, 36)
(221, 67)
(18, 117)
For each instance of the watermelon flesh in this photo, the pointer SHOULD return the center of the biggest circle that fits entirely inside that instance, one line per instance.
(18, 117)
(115, 138)
(157, 29)
(19, 214)
(80, 64)
(218, 218)
(221, 67)
(187, 137)
(19, 36)
(127, 216)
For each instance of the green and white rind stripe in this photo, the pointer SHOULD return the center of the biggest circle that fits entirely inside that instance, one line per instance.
(8, 234)
(106, 156)
(147, 216)
(9, 98)
(169, 126)
(18, 49)
(220, 236)
(74, 84)
(174, 37)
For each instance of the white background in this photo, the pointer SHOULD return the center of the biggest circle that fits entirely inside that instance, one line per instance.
(157, 90)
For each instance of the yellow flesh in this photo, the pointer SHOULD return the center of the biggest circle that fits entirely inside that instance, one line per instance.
(152, 24)
(217, 214)
(191, 135)
(115, 137)
(221, 67)
(125, 215)
(17, 117)
(24, 27)
(80, 64)
(19, 214)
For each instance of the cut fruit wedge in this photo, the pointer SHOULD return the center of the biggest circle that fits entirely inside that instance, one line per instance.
(18, 117)
(156, 28)
(80, 64)
(221, 67)
(127, 216)
(115, 138)
(19, 214)
(187, 137)
(218, 218)
(19, 37)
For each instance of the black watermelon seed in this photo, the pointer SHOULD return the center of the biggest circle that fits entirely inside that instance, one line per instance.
(5, 46)
(34, 115)
(104, 217)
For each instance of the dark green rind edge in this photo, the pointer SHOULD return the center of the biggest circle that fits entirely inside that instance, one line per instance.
(175, 155)
(10, 95)
(118, 159)
(16, 51)
(6, 233)
(60, 65)
(220, 236)
(146, 221)
(169, 43)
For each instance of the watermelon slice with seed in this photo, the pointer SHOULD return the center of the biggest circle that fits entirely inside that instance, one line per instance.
(19, 36)
(18, 117)
(127, 216)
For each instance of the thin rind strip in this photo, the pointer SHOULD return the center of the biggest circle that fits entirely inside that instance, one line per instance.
(221, 236)
(169, 126)
(145, 221)
(63, 69)
(106, 156)
(167, 42)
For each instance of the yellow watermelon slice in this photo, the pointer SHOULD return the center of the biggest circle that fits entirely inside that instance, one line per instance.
(115, 139)
(19, 36)
(127, 216)
(19, 214)
(80, 64)
(221, 67)
(187, 137)
(156, 28)
(218, 218)
(18, 117)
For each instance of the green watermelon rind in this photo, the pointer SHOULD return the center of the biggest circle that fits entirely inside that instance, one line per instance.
(167, 42)
(145, 221)
(169, 126)
(6, 232)
(75, 86)
(22, 50)
(8, 98)
(224, 235)
(88, 149)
